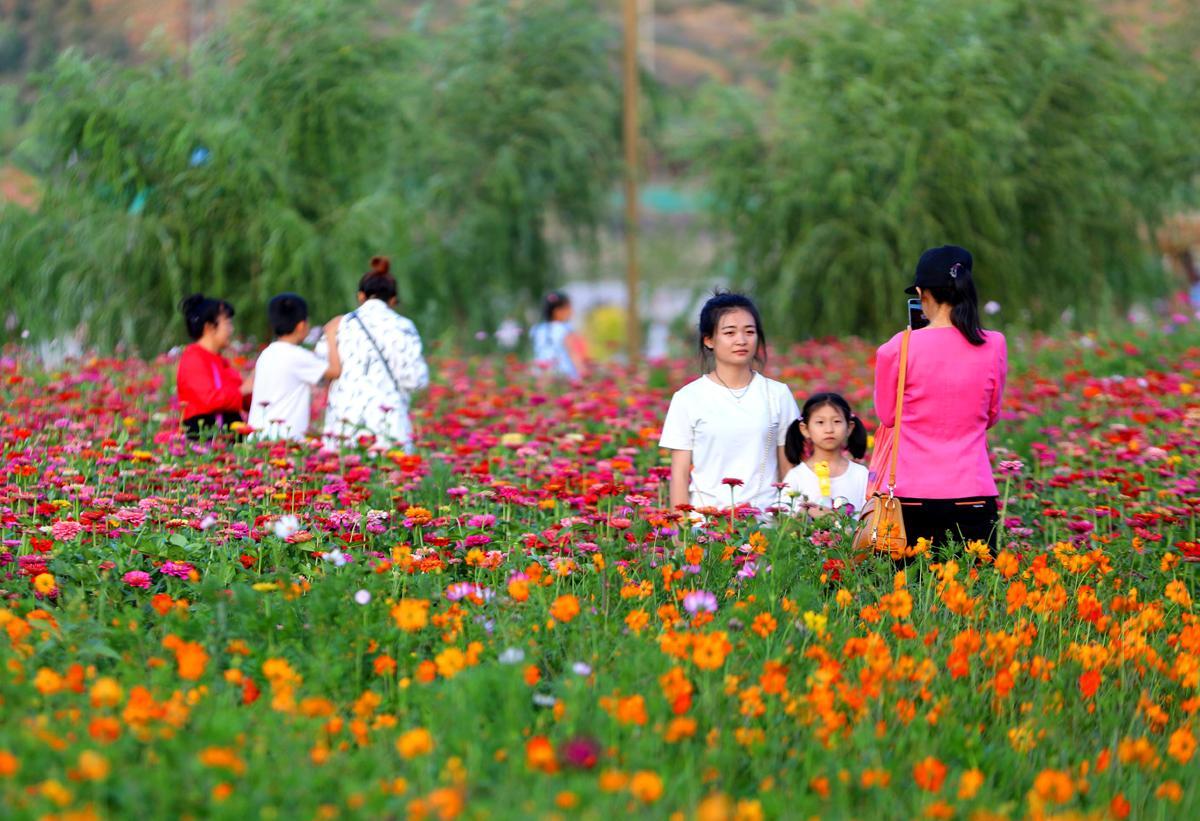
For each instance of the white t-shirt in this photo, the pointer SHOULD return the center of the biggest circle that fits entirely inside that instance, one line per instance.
(731, 438)
(851, 486)
(282, 399)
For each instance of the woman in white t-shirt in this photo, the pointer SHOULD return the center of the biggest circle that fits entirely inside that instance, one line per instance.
(816, 443)
(726, 429)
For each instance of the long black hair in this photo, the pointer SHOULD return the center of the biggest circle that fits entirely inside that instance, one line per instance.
(719, 304)
(795, 446)
(199, 310)
(964, 313)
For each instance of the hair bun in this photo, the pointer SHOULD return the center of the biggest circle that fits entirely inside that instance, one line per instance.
(191, 304)
(380, 266)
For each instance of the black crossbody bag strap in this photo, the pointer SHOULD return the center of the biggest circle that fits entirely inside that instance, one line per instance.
(383, 359)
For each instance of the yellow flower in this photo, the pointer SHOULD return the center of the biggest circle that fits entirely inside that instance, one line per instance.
(93, 766)
(44, 583)
(265, 587)
(815, 622)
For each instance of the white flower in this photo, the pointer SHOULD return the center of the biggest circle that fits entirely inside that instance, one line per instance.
(208, 521)
(991, 307)
(581, 669)
(336, 556)
(544, 700)
(362, 597)
(513, 655)
(286, 525)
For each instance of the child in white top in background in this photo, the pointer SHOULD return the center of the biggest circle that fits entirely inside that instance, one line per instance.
(282, 400)
(816, 443)
(557, 348)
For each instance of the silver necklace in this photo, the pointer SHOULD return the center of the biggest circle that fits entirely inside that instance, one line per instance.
(734, 393)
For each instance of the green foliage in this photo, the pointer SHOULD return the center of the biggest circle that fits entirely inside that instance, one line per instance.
(1020, 129)
(517, 132)
(286, 152)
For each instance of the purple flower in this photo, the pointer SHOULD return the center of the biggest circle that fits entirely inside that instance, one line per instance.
(698, 600)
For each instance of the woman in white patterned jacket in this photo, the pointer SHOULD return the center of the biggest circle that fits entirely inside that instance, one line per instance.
(381, 366)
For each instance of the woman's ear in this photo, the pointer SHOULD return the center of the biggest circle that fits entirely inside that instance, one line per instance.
(361, 297)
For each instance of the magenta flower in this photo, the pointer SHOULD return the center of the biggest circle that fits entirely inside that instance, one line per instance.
(580, 752)
(137, 578)
(181, 570)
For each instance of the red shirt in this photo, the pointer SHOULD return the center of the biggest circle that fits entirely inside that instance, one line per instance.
(207, 383)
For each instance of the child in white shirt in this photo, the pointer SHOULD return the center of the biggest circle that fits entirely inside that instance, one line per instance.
(285, 372)
(823, 478)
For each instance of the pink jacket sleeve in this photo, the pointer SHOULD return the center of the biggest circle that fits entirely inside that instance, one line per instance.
(1001, 380)
(887, 363)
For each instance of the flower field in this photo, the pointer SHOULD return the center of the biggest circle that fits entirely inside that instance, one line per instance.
(508, 623)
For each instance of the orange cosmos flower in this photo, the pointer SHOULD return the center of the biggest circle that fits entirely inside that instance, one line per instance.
(450, 662)
(565, 608)
(1054, 785)
(710, 650)
(929, 773)
(8, 764)
(411, 615)
(539, 755)
(969, 784)
(679, 728)
(106, 692)
(764, 624)
(1089, 683)
(1182, 745)
(1176, 591)
(636, 621)
(223, 758)
(646, 786)
(415, 743)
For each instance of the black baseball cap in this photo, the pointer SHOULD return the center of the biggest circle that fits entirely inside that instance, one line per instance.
(939, 267)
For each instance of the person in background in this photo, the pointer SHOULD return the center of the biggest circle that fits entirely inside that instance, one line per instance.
(725, 430)
(211, 392)
(557, 348)
(382, 364)
(286, 372)
(953, 386)
(816, 444)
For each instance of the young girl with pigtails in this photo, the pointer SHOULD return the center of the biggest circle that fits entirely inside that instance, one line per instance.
(817, 443)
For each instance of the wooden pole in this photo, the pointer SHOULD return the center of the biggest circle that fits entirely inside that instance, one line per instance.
(633, 323)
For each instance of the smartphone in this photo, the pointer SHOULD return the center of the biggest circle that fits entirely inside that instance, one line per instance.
(916, 317)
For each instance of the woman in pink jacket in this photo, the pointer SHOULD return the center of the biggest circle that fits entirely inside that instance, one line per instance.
(952, 391)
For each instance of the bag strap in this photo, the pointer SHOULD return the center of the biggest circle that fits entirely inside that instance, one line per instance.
(899, 410)
(395, 384)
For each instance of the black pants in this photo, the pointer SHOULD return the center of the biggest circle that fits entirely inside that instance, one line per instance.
(207, 425)
(942, 521)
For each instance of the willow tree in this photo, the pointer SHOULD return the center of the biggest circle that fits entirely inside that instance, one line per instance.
(248, 169)
(1023, 130)
(514, 148)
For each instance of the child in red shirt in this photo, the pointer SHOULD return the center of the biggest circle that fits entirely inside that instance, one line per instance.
(211, 391)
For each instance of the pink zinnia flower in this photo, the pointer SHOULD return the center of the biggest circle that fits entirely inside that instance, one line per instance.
(732, 482)
(66, 530)
(180, 570)
(137, 578)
